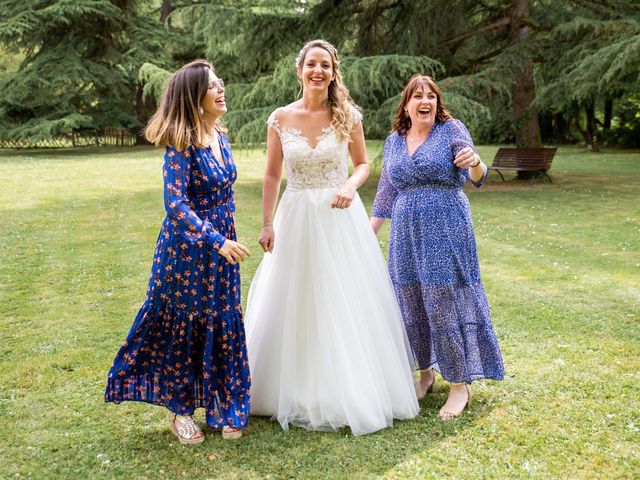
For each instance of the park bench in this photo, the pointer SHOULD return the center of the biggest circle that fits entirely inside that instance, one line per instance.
(534, 160)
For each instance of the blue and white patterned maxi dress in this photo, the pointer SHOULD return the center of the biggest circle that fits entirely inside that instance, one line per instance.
(186, 347)
(433, 257)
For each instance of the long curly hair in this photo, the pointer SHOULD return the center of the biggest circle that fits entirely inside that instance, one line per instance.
(179, 121)
(340, 102)
(401, 121)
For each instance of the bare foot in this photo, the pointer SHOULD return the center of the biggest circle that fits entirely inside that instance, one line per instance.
(425, 383)
(459, 398)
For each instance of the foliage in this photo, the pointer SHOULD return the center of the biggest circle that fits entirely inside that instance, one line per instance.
(154, 80)
(245, 39)
(90, 63)
(372, 80)
(591, 57)
(80, 64)
(626, 129)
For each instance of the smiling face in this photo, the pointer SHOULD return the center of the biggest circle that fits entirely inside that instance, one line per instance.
(422, 107)
(214, 104)
(316, 71)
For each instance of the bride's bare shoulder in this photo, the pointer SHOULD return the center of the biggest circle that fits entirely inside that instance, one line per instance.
(290, 111)
(288, 115)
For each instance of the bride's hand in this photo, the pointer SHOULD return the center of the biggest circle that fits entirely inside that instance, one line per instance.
(344, 196)
(267, 238)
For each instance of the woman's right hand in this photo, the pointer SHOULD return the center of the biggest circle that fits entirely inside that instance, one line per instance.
(233, 252)
(267, 238)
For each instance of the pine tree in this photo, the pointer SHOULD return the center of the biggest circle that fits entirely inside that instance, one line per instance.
(590, 61)
(80, 65)
(84, 63)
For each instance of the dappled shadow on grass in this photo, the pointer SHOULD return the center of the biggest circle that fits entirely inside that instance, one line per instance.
(77, 270)
(266, 450)
(561, 181)
(60, 153)
(95, 243)
(58, 246)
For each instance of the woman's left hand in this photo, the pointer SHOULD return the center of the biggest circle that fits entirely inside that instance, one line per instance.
(344, 196)
(466, 158)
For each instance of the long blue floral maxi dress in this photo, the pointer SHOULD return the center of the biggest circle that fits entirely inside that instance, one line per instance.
(433, 258)
(186, 347)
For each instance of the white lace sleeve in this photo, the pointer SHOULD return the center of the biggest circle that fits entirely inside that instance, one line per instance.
(356, 116)
(274, 123)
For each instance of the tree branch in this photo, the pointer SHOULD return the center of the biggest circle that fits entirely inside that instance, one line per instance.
(503, 22)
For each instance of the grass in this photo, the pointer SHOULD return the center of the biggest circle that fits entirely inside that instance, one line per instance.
(560, 262)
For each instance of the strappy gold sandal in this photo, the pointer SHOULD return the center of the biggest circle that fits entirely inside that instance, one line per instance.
(231, 433)
(187, 431)
(445, 415)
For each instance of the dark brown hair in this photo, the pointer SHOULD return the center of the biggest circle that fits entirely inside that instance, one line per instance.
(179, 119)
(401, 122)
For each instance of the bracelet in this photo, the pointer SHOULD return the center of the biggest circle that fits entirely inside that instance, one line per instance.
(475, 164)
(267, 225)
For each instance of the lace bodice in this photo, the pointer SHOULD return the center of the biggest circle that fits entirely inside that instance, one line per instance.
(322, 166)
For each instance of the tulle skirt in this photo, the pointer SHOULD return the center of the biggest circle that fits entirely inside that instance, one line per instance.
(326, 342)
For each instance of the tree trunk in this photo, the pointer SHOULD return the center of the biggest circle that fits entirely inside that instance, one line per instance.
(590, 112)
(587, 132)
(561, 131)
(143, 113)
(165, 11)
(608, 113)
(523, 89)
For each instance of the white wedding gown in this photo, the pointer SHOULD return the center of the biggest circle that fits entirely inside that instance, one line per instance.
(326, 342)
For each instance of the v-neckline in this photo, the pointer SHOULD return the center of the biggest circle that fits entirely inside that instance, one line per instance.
(220, 162)
(324, 132)
(406, 143)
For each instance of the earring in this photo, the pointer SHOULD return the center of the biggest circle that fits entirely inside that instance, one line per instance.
(406, 113)
(201, 110)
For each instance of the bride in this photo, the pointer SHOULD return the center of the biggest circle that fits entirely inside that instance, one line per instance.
(326, 343)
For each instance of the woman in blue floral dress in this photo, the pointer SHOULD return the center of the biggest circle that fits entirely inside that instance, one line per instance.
(186, 347)
(432, 250)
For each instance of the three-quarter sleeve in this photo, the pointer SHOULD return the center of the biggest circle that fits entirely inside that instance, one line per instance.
(460, 138)
(176, 172)
(387, 193)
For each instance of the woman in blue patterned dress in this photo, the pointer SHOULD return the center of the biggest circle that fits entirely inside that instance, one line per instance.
(186, 347)
(432, 250)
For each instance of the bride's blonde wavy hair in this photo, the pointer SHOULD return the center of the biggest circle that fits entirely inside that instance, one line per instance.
(179, 120)
(340, 102)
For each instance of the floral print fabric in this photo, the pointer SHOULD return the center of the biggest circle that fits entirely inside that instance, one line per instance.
(186, 347)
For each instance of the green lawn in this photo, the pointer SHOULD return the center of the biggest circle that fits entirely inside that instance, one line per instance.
(561, 264)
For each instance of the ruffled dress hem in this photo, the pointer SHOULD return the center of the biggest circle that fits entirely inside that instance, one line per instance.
(226, 403)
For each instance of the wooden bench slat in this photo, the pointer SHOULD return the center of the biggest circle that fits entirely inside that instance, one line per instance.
(524, 159)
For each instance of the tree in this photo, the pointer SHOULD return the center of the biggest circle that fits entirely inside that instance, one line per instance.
(80, 65)
(590, 62)
(259, 60)
(502, 64)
